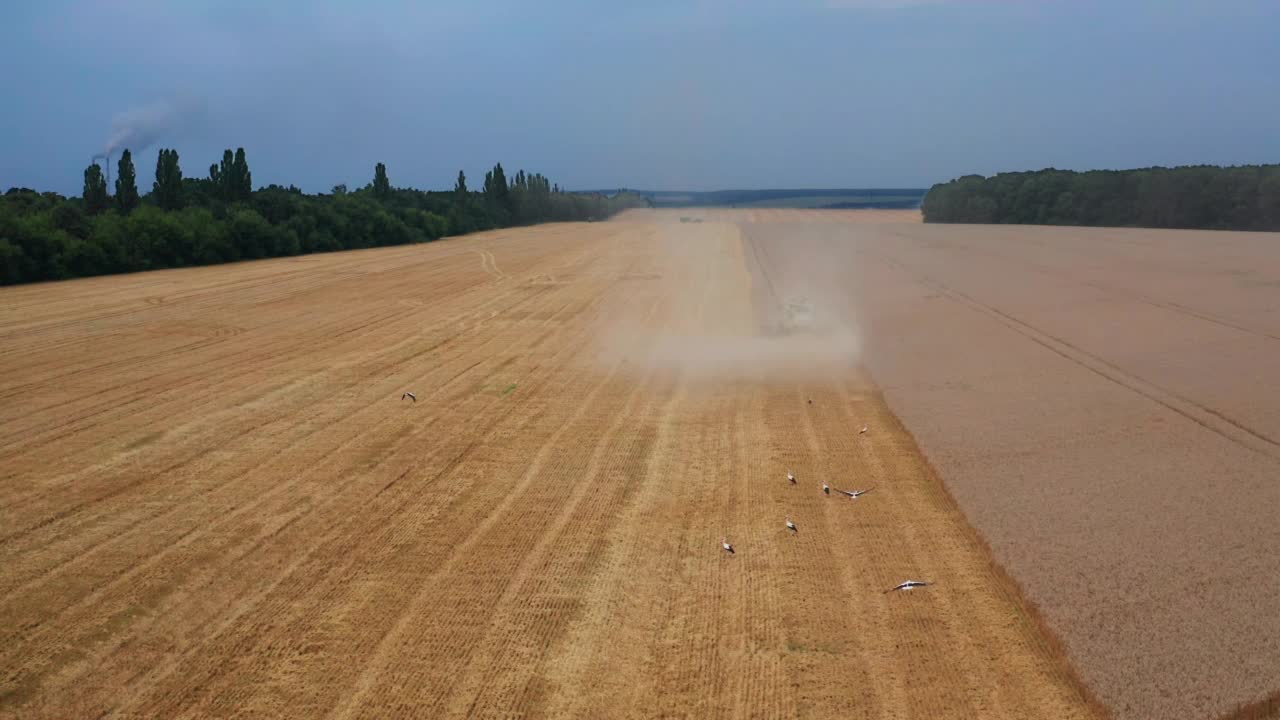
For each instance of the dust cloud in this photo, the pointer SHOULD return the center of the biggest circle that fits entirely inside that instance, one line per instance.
(796, 356)
(716, 305)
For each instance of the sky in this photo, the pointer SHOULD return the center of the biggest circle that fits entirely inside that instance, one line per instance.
(693, 95)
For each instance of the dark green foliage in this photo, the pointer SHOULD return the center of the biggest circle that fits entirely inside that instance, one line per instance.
(95, 190)
(381, 185)
(69, 218)
(126, 185)
(224, 177)
(532, 198)
(252, 236)
(199, 192)
(1200, 197)
(230, 179)
(167, 189)
(44, 236)
(496, 191)
(241, 183)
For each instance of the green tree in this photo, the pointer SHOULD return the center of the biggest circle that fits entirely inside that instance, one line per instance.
(71, 220)
(495, 187)
(500, 183)
(167, 188)
(95, 190)
(381, 185)
(242, 181)
(1207, 197)
(223, 177)
(126, 184)
(251, 235)
(45, 236)
(231, 179)
(1269, 198)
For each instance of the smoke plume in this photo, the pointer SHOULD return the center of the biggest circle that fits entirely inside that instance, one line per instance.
(140, 127)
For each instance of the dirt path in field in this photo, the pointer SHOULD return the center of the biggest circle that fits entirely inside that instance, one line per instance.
(214, 501)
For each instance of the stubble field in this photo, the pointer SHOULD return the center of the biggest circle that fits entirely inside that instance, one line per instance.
(1100, 403)
(214, 501)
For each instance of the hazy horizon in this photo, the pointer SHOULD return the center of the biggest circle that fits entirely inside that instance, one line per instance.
(675, 96)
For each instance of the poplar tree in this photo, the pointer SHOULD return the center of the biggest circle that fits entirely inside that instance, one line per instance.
(381, 185)
(242, 183)
(126, 184)
(167, 188)
(95, 190)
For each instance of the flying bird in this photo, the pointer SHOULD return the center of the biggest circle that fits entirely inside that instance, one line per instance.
(791, 477)
(863, 431)
(826, 489)
(792, 526)
(908, 585)
(724, 543)
(409, 395)
(854, 494)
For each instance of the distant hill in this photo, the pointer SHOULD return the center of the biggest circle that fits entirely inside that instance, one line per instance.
(894, 198)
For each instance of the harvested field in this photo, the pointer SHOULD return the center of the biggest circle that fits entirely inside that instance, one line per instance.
(215, 501)
(1099, 403)
(775, 215)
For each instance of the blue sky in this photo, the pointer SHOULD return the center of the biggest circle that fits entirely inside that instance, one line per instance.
(665, 95)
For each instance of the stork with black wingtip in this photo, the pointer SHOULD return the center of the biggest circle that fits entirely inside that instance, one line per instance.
(908, 585)
(854, 494)
(409, 396)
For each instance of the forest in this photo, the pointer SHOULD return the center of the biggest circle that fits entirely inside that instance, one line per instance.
(1207, 197)
(221, 218)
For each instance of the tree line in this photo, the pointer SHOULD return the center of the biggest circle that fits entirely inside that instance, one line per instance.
(220, 218)
(1207, 197)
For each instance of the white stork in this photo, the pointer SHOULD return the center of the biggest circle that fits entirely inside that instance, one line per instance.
(854, 494)
(908, 585)
(409, 396)
(792, 526)
(791, 477)
(863, 431)
(724, 543)
(826, 489)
